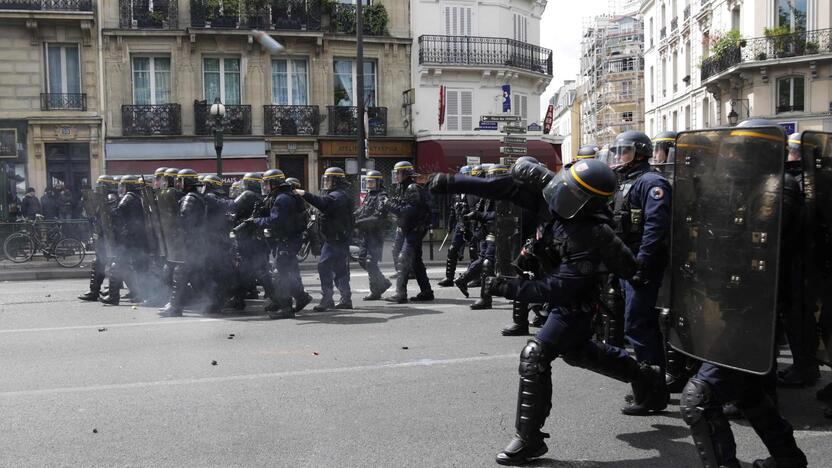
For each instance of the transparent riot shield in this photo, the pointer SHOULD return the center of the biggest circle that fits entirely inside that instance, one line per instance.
(727, 198)
(105, 206)
(171, 227)
(152, 223)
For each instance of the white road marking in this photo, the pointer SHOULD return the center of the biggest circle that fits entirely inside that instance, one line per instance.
(250, 377)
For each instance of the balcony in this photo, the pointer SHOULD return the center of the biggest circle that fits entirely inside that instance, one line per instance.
(47, 5)
(343, 120)
(56, 101)
(141, 120)
(343, 19)
(686, 12)
(290, 120)
(484, 51)
(237, 120)
(300, 15)
(674, 23)
(800, 44)
(137, 14)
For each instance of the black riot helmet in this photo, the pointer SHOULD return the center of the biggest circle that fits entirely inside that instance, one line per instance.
(212, 184)
(795, 143)
(252, 181)
(130, 183)
(631, 146)
(530, 159)
(530, 173)
(465, 170)
(477, 171)
(106, 184)
(236, 189)
(497, 170)
(169, 180)
(663, 147)
(187, 180)
(403, 172)
(274, 180)
(295, 183)
(333, 177)
(756, 123)
(586, 152)
(375, 181)
(159, 177)
(572, 189)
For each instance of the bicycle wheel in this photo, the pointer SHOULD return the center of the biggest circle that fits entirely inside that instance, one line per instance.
(19, 248)
(69, 252)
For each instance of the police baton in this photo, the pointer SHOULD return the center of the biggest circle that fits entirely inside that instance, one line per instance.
(444, 240)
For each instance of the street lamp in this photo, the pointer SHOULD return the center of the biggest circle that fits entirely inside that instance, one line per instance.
(732, 116)
(218, 112)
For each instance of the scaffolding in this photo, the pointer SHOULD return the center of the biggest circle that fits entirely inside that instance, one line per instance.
(612, 75)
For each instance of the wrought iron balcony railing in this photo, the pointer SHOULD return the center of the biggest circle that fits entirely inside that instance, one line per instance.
(304, 15)
(343, 20)
(237, 120)
(472, 50)
(47, 5)
(343, 120)
(290, 120)
(803, 43)
(56, 101)
(162, 119)
(795, 108)
(138, 14)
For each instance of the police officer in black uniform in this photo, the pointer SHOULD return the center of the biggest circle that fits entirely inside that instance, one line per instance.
(584, 152)
(285, 218)
(130, 259)
(169, 180)
(371, 221)
(219, 269)
(641, 209)
(336, 223)
(159, 178)
(578, 242)
(482, 216)
(412, 208)
(251, 251)
(106, 187)
(460, 232)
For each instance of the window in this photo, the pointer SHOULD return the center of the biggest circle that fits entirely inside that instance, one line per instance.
(151, 80)
(652, 84)
(664, 123)
(790, 94)
(652, 126)
(457, 20)
(63, 69)
(627, 116)
(687, 117)
(792, 14)
(344, 84)
(735, 18)
(650, 32)
(627, 89)
(521, 28)
(706, 112)
(675, 73)
(520, 104)
(675, 121)
(664, 77)
(221, 79)
(459, 109)
(687, 63)
(290, 82)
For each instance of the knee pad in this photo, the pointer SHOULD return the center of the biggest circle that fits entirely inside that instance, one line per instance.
(695, 400)
(535, 359)
(487, 267)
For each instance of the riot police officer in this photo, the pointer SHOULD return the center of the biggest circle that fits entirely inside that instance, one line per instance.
(285, 219)
(336, 225)
(159, 178)
(105, 198)
(371, 222)
(460, 231)
(412, 209)
(578, 242)
(130, 259)
(219, 262)
(170, 178)
(295, 183)
(584, 152)
(252, 252)
(641, 210)
(663, 147)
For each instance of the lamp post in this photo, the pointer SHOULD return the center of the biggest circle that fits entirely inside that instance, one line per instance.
(218, 112)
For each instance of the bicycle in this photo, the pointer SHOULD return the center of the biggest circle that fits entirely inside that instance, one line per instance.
(20, 247)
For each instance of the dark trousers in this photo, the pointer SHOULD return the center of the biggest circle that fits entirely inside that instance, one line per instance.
(369, 255)
(333, 269)
(641, 322)
(569, 331)
(398, 240)
(289, 284)
(410, 260)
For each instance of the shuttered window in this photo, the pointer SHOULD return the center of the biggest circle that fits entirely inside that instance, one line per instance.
(459, 109)
(519, 103)
(457, 20)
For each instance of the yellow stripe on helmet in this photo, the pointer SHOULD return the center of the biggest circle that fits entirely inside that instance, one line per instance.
(586, 185)
(374, 177)
(256, 179)
(749, 133)
(796, 142)
(665, 139)
(188, 175)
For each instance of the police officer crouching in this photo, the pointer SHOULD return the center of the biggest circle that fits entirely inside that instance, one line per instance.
(371, 221)
(413, 211)
(336, 224)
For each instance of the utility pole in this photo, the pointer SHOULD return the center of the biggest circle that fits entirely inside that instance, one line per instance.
(359, 85)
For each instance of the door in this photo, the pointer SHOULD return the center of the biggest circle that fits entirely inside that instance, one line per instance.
(68, 165)
(293, 166)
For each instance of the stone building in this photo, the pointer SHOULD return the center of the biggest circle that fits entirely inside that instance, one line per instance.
(50, 98)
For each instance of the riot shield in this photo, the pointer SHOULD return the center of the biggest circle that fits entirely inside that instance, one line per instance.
(727, 198)
(152, 223)
(507, 237)
(171, 227)
(90, 204)
(105, 219)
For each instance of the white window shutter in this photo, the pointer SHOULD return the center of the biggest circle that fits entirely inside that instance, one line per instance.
(469, 12)
(452, 109)
(466, 110)
(447, 21)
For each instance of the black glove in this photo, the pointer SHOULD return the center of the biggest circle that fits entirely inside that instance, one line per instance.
(499, 286)
(638, 280)
(531, 175)
(473, 216)
(438, 182)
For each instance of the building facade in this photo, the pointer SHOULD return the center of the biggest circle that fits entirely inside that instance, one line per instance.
(612, 76)
(566, 122)
(166, 62)
(473, 48)
(716, 62)
(50, 98)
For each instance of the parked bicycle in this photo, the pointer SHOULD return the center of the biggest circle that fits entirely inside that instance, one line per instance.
(21, 246)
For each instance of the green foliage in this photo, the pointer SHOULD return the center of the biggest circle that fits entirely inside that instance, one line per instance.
(724, 44)
(375, 19)
(230, 8)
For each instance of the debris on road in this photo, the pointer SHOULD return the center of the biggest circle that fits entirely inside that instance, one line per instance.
(315, 353)
(95, 431)
(102, 329)
(231, 336)
(135, 307)
(213, 363)
(405, 347)
(48, 295)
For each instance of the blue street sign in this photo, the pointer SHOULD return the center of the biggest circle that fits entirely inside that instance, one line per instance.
(485, 125)
(789, 127)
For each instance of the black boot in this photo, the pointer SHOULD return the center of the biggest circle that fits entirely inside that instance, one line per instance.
(450, 269)
(376, 292)
(775, 432)
(520, 320)
(344, 304)
(484, 302)
(709, 428)
(174, 306)
(96, 278)
(324, 305)
(462, 284)
(423, 296)
(302, 301)
(649, 396)
(406, 267)
(114, 293)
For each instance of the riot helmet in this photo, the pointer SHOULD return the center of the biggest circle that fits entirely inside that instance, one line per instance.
(756, 123)
(332, 178)
(605, 155)
(159, 177)
(295, 183)
(212, 184)
(586, 152)
(236, 189)
(129, 183)
(187, 180)
(465, 170)
(374, 180)
(169, 179)
(497, 170)
(664, 145)
(629, 147)
(252, 181)
(572, 189)
(106, 184)
(530, 159)
(403, 172)
(273, 179)
(476, 171)
(795, 147)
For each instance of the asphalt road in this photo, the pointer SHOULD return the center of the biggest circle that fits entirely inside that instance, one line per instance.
(428, 385)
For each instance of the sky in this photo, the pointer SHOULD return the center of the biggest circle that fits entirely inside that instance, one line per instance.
(560, 30)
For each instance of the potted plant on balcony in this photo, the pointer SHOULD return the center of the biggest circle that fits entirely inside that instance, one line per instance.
(812, 47)
(326, 8)
(781, 40)
(224, 13)
(375, 19)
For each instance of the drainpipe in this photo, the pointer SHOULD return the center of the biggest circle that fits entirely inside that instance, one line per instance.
(102, 110)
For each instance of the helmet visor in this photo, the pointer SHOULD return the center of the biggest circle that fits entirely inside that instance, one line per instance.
(328, 182)
(563, 195)
(622, 153)
(122, 188)
(372, 183)
(266, 188)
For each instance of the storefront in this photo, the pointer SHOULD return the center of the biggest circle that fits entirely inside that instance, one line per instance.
(13, 157)
(449, 155)
(384, 154)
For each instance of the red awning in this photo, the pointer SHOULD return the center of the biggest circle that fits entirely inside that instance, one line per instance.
(449, 155)
(144, 166)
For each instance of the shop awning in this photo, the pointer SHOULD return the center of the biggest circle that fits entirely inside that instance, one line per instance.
(450, 155)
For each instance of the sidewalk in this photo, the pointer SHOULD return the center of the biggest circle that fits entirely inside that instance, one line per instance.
(40, 269)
